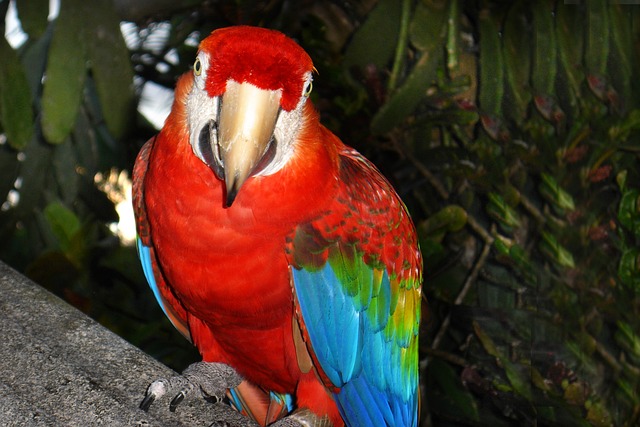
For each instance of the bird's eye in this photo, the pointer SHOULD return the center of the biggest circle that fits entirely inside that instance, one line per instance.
(197, 67)
(307, 89)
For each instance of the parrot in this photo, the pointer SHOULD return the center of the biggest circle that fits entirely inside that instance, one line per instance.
(282, 254)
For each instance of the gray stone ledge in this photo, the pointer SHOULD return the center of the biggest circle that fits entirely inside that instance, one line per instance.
(60, 368)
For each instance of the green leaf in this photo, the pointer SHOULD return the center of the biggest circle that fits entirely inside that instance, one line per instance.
(556, 195)
(597, 48)
(515, 256)
(630, 123)
(427, 30)
(449, 219)
(491, 66)
(517, 61)
(629, 339)
(16, 114)
(629, 269)
(629, 211)
(622, 51)
(404, 100)
(64, 164)
(375, 41)
(66, 73)
(64, 224)
(34, 57)
(550, 246)
(621, 179)
(111, 67)
(502, 212)
(597, 414)
(569, 30)
(570, 38)
(453, 36)
(543, 74)
(33, 16)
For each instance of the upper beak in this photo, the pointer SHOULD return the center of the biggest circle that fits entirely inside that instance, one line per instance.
(247, 120)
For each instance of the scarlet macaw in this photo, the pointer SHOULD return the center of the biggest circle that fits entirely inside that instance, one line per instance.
(281, 253)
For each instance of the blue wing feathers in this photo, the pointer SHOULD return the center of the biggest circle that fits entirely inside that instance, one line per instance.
(380, 304)
(335, 313)
(144, 254)
(374, 390)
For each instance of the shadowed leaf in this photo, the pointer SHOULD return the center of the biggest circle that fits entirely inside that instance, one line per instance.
(111, 67)
(16, 114)
(33, 16)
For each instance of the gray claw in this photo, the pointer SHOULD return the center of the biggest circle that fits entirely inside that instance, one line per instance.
(147, 401)
(176, 401)
(211, 379)
(155, 390)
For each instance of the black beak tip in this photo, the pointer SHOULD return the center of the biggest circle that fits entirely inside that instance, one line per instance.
(231, 196)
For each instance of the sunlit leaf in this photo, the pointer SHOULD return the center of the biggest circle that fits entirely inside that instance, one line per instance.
(501, 211)
(550, 246)
(66, 72)
(555, 194)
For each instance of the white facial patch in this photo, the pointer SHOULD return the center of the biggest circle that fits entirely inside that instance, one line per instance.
(202, 109)
(287, 130)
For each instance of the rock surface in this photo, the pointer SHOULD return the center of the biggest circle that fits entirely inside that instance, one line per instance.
(60, 368)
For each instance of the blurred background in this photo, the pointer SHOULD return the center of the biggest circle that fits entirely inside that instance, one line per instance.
(511, 129)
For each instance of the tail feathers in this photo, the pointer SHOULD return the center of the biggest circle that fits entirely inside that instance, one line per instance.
(262, 406)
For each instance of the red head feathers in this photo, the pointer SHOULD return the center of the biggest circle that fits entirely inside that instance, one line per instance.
(265, 58)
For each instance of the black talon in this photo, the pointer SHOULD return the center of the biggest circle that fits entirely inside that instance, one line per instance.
(176, 401)
(147, 401)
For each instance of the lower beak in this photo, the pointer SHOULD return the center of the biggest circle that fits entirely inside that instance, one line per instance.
(247, 120)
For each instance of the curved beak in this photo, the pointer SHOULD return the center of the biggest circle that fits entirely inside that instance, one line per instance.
(247, 120)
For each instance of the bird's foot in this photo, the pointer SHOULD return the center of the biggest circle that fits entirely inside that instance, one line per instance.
(211, 379)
